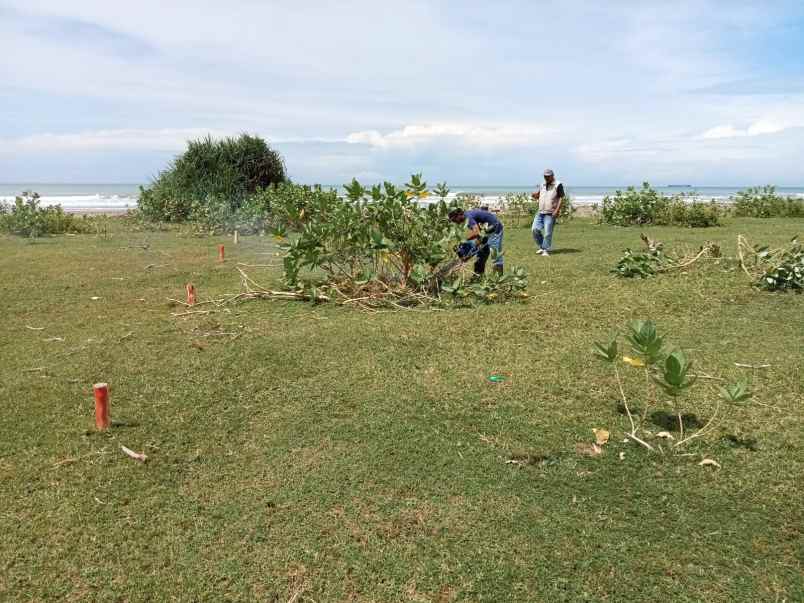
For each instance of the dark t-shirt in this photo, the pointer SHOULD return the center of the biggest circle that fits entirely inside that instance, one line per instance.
(481, 216)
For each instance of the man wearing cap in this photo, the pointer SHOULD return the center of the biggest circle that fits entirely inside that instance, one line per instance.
(550, 195)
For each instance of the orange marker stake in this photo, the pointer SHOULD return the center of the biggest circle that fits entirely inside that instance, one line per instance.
(101, 406)
(220, 253)
(190, 294)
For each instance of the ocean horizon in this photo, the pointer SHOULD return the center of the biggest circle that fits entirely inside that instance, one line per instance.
(123, 196)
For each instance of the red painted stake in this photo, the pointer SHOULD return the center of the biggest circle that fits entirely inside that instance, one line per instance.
(190, 294)
(101, 406)
(220, 253)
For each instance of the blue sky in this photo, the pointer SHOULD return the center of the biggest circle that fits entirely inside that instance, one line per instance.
(469, 92)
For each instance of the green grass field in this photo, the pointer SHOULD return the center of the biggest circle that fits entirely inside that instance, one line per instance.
(317, 453)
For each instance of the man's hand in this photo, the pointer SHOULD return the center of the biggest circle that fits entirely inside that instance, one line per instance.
(535, 196)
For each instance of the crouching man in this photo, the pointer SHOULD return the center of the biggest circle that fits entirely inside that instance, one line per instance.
(488, 238)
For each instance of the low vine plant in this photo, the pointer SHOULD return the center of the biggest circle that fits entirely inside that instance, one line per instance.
(662, 377)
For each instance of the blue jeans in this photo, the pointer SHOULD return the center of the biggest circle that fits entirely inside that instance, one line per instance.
(542, 230)
(493, 241)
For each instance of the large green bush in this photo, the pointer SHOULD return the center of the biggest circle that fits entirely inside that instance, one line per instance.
(634, 207)
(26, 217)
(212, 180)
(764, 202)
(379, 246)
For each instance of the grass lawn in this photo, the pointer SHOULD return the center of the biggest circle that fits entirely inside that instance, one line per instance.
(316, 453)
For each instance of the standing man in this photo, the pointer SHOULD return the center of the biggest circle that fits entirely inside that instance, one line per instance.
(490, 238)
(550, 195)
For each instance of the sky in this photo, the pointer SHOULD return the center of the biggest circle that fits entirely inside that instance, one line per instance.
(470, 92)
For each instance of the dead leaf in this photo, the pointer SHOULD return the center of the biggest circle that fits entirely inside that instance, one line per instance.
(707, 462)
(585, 449)
(135, 455)
(95, 298)
(633, 361)
(622, 456)
(666, 435)
(601, 436)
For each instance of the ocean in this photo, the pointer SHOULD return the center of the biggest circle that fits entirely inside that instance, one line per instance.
(121, 197)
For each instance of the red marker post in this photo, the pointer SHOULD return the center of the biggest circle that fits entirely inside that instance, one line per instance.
(190, 294)
(220, 253)
(102, 420)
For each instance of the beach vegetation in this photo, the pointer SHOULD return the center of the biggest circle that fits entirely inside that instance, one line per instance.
(658, 369)
(647, 206)
(765, 202)
(379, 246)
(28, 218)
(212, 181)
(518, 206)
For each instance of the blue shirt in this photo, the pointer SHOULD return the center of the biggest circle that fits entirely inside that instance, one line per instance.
(481, 216)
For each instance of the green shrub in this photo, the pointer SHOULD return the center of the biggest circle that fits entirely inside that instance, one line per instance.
(466, 201)
(567, 210)
(634, 207)
(680, 211)
(637, 265)
(29, 219)
(379, 246)
(212, 180)
(288, 206)
(763, 202)
(518, 206)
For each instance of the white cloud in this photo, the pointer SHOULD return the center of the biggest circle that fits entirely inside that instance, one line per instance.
(755, 129)
(169, 139)
(487, 135)
(131, 139)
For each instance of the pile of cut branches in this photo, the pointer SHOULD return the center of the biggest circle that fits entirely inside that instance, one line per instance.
(773, 269)
(654, 260)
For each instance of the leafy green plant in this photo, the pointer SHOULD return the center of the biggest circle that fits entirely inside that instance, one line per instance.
(26, 217)
(680, 210)
(764, 202)
(517, 206)
(567, 210)
(634, 207)
(671, 371)
(212, 180)
(380, 246)
(466, 200)
(637, 265)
